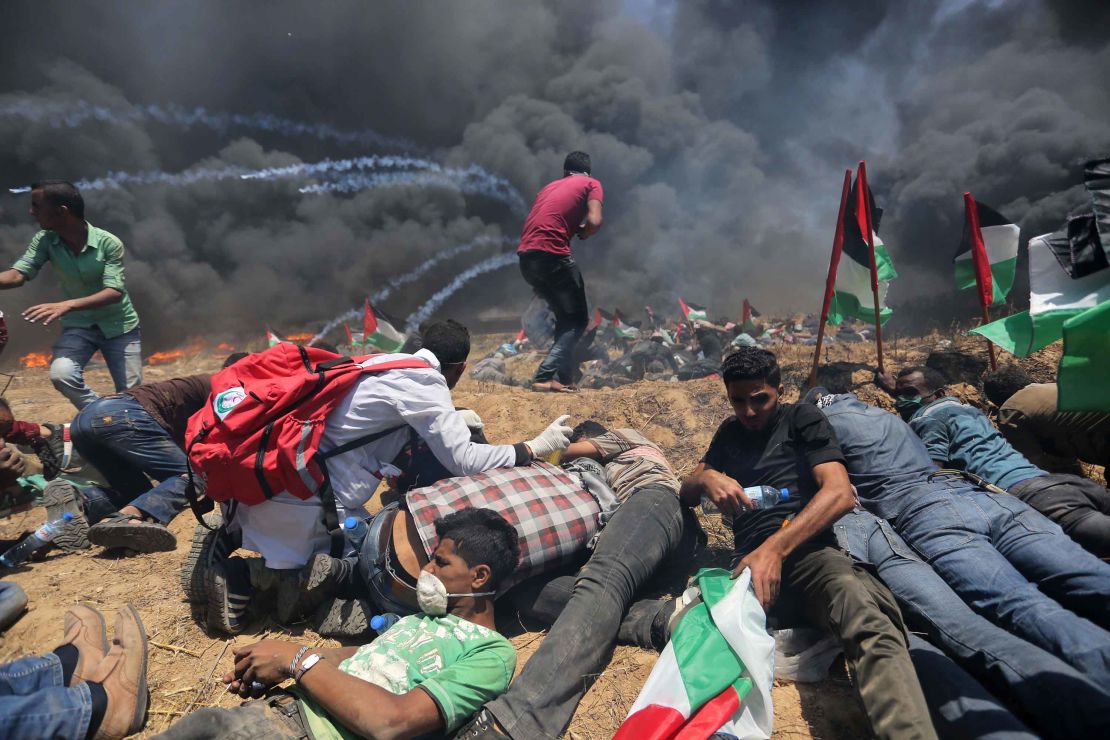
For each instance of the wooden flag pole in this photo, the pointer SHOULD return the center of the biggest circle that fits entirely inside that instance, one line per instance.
(990, 344)
(830, 279)
(983, 278)
(863, 193)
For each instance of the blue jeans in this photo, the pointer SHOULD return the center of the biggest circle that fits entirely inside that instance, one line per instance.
(1016, 568)
(75, 348)
(35, 702)
(129, 448)
(558, 281)
(1015, 670)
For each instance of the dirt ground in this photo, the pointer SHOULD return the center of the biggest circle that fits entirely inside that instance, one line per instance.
(186, 662)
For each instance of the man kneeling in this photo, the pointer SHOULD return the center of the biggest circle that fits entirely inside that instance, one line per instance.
(427, 673)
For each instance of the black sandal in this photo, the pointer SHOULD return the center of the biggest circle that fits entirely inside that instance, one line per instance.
(132, 532)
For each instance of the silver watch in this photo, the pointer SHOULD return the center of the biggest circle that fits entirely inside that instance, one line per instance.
(307, 663)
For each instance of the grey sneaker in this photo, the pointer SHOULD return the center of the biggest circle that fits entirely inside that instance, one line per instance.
(320, 580)
(62, 497)
(345, 619)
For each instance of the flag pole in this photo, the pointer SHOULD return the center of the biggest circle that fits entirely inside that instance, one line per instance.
(830, 280)
(983, 279)
(869, 237)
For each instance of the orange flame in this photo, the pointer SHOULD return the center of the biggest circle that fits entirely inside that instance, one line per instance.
(35, 359)
(298, 338)
(161, 358)
(225, 347)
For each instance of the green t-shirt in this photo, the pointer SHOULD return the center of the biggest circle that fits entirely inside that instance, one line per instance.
(97, 266)
(460, 664)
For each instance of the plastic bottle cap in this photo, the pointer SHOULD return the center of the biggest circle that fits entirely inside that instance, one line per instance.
(784, 493)
(377, 622)
(350, 522)
(67, 517)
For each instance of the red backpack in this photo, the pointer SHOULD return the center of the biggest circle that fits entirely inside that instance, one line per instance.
(260, 431)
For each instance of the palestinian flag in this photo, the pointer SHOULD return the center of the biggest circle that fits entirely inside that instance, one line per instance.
(272, 338)
(379, 333)
(1069, 298)
(350, 337)
(520, 336)
(622, 329)
(715, 674)
(987, 256)
(604, 318)
(692, 311)
(749, 314)
(858, 242)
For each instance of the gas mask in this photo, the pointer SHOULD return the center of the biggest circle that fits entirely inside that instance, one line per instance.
(431, 594)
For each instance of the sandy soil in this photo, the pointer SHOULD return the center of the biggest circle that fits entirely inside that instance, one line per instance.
(186, 661)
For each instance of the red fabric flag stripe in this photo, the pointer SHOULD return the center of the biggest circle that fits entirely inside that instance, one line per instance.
(653, 722)
(350, 337)
(369, 321)
(711, 717)
(838, 247)
(863, 218)
(978, 252)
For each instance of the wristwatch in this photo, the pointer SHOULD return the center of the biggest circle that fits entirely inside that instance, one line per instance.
(307, 663)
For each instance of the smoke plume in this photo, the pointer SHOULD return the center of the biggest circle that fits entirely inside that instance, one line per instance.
(720, 131)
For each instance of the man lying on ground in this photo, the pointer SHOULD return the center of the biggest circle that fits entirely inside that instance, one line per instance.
(962, 437)
(1051, 439)
(426, 674)
(394, 404)
(556, 514)
(796, 568)
(86, 688)
(1007, 561)
(585, 608)
(132, 439)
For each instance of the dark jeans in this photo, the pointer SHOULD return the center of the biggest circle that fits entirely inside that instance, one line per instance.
(277, 717)
(1017, 569)
(558, 281)
(587, 610)
(841, 596)
(1017, 671)
(959, 705)
(129, 448)
(35, 702)
(1079, 505)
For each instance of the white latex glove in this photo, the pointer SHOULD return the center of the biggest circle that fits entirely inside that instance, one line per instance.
(473, 421)
(553, 439)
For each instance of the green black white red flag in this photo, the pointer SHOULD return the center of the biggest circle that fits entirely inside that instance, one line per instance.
(1069, 298)
(715, 674)
(272, 338)
(987, 255)
(692, 311)
(858, 237)
(379, 333)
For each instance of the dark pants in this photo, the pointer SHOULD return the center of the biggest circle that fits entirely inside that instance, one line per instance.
(1079, 505)
(587, 611)
(129, 448)
(835, 593)
(277, 717)
(558, 281)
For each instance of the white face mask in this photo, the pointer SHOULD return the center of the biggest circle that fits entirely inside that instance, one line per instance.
(431, 594)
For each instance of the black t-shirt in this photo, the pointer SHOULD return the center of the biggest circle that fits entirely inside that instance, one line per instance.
(783, 455)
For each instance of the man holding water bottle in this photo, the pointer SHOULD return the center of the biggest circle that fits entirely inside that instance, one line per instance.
(798, 572)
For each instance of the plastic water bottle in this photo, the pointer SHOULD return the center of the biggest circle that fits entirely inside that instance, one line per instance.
(354, 529)
(40, 537)
(382, 622)
(761, 497)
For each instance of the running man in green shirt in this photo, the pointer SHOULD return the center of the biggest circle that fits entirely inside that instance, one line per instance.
(427, 674)
(97, 313)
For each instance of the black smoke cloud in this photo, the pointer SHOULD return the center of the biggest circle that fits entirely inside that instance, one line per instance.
(719, 129)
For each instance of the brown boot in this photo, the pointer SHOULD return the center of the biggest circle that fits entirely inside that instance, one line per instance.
(86, 631)
(122, 673)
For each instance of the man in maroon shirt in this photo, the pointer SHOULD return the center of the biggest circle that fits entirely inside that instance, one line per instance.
(568, 206)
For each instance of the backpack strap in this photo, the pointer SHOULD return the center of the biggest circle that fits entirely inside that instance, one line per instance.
(191, 486)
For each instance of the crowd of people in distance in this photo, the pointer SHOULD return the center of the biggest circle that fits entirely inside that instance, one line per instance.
(958, 563)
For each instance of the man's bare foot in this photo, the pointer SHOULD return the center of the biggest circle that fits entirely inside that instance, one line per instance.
(551, 386)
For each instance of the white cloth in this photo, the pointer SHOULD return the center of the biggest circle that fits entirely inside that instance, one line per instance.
(288, 531)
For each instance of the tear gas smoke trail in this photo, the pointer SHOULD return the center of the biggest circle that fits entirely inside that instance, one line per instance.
(473, 181)
(409, 277)
(493, 263)
(72, 115)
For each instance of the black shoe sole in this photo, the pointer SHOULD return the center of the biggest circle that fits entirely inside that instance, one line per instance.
(206, 548)
(61, 497)
(142, 537)
(227, 610)
(344, 618)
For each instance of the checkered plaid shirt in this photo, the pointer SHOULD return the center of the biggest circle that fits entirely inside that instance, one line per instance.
(553, 514)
